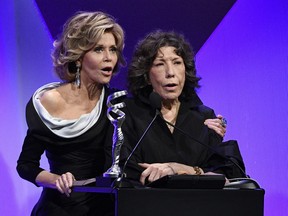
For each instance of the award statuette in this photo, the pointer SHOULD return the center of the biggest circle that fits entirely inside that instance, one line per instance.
(116, 117)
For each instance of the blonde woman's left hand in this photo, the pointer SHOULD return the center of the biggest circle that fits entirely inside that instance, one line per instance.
(218, 124)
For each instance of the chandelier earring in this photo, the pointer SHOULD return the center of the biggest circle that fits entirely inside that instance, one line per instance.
(77, 76)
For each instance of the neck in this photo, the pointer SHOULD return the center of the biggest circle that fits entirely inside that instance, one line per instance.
(91, 92)
(169, 105)
(170, 112)
(94, 91)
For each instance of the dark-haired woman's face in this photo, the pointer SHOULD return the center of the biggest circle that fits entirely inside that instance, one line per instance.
(167, 74)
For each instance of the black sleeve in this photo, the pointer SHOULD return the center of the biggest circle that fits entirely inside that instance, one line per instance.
(215, 161)
(228, 150)
(231, 150)
(28, 164)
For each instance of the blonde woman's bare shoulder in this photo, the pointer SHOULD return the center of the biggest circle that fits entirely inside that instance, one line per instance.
(52, 100)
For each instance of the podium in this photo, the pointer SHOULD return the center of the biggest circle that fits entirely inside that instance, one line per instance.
(183, 202)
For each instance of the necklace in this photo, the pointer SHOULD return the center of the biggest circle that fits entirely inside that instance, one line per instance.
(173, 121)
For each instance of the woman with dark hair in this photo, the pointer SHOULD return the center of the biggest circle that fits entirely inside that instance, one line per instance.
(145, 54)
(163, 62)
(142, 61)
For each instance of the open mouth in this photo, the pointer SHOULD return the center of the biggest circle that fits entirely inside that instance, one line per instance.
(170, 85)
(107, 69)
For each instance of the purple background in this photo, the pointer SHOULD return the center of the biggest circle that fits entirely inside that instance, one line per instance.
(244, 66)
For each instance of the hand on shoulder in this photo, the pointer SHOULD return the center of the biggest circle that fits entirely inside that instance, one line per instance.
(217, 124)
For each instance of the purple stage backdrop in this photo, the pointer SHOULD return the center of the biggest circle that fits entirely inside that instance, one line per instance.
(244, 70)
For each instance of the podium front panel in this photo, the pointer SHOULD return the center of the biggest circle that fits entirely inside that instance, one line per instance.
(183, 202)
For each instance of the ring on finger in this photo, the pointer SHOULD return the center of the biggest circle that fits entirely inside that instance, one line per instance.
(223, 122)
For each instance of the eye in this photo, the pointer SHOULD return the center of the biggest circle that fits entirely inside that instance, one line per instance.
(98, 49)
(178, 62)
(113, 49)
(158, 64)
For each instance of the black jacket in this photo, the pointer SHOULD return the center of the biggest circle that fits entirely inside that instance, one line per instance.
(160, 146)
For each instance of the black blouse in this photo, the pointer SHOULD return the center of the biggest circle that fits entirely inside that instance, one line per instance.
(160, 146)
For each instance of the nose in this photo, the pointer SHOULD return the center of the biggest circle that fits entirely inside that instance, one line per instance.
(107, 55)
(170, 71)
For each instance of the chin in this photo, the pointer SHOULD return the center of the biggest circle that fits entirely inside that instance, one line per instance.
(106, 81)
(170, 96)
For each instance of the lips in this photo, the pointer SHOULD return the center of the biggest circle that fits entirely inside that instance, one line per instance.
(107, 69)
(170, 85)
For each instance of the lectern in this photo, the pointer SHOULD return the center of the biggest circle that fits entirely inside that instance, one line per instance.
(147, 201)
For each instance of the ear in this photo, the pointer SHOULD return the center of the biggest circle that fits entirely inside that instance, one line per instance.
(78, 63)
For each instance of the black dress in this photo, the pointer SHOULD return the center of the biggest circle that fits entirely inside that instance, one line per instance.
(83, 156)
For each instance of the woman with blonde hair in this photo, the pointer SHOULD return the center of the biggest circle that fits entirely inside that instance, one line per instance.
(67, 120)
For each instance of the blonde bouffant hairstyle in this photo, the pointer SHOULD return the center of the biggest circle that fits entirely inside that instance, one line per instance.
(80, 34)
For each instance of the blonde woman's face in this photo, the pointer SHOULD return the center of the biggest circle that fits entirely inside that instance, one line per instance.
(99, 63)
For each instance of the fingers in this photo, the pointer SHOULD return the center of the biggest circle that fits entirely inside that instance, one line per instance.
(149, 174)
(145, 173)
(219, 130)
(155, 171)
(218, 125)
(223, 120)
(64, 183)
(219, 116)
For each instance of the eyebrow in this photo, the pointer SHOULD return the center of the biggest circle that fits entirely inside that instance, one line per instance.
(101, 45)
(161, 58)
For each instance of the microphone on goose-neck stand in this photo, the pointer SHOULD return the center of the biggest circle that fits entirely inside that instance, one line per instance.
(122, 181)
(155, 101)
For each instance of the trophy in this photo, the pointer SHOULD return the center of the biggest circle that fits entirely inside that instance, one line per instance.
(116, 117)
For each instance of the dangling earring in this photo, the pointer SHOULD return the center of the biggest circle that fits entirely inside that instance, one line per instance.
(77, 77)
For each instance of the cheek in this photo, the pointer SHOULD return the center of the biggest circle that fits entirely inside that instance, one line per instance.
(114, 59)
(156, 76)
(183, 79)
(157, 87)
(154, 79)
(90, 61)
(182, 76)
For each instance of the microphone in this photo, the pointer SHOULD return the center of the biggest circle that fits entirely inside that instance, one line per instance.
(157, 104)
(155, 101)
